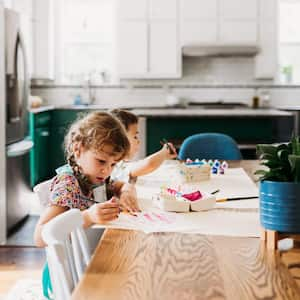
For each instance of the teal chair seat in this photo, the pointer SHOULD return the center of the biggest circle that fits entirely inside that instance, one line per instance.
(209, 146)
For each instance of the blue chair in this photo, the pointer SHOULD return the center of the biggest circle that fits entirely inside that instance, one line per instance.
(209, 146)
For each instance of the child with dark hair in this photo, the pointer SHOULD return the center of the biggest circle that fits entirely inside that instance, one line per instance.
(143, 166)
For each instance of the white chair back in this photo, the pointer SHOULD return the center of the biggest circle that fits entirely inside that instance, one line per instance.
(43, 192)
(67, 251)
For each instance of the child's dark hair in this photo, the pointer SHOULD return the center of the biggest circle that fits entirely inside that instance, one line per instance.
(95, 131)
(126, 117)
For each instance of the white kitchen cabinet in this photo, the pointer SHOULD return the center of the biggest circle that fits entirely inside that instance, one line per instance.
(238, 32)
(198, 32)
(132, 57)
(166, 10)
(133, 9)
(218, 22)
(148, 47)
(198, 9)
(43, 39)
(266, 60)
(238, 23)
(199, 21)
(163, 49)
(235, 9)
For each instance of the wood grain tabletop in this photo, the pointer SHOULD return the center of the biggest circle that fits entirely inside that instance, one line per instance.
(135, 266)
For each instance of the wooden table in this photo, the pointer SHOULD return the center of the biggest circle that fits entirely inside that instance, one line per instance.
(133, 265)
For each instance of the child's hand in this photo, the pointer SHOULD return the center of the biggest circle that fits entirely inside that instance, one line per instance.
(128, 198)
(104, 212)
(169, 151)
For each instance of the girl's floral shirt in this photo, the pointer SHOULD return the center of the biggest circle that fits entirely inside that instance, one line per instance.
(65, 190)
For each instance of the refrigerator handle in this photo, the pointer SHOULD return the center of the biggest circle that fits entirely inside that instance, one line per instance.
(17, 99)
(19, 148)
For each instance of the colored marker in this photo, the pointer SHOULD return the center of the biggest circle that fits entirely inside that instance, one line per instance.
(168, 147)
(237, 198)
(214, 192)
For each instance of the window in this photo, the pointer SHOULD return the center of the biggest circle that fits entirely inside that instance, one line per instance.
(86, 40)
(289, 40)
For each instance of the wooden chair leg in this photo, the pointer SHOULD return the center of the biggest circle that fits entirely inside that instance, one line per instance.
(263, 234)
(272, 239)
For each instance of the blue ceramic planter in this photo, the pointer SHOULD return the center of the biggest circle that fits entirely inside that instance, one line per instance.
(280, 206)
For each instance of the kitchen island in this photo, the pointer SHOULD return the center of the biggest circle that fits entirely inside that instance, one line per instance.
(247, 126)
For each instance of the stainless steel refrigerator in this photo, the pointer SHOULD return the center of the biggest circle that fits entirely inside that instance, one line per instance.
(17, 143)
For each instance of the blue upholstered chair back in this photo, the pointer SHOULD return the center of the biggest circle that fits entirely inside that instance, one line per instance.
(209, 146)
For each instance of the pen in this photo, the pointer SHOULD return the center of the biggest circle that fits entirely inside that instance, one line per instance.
(236, 198)
(164, 141)
(214, 192)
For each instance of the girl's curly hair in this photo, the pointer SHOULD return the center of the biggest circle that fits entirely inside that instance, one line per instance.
(95, 131)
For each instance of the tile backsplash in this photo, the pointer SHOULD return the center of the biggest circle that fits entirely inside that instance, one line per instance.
(204, 79)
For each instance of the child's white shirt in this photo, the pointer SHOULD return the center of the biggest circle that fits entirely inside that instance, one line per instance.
(121, 171)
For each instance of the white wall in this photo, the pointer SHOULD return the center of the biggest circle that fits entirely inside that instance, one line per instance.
(2, 133)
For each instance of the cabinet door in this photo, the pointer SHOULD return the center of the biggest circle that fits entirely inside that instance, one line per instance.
(238, 23)
(238, 32)
(268, 9)
(57, 147)
(39, 156)
(43, 31)
(132, 9)
(195, 32)
(198, 9)
(164, 50)
(267, 58)
(237, 9)
(199, 21)
(166, 9)
(132, 48)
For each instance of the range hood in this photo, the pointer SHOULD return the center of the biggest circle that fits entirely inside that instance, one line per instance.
(219, 50)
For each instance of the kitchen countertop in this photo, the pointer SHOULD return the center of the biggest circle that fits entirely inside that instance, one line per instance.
(201, 112)
(192, 111)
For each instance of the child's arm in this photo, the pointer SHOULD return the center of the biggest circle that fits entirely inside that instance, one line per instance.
(152, 162)
(97, 213)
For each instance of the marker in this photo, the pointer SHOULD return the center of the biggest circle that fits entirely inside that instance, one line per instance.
(237, 198)
(165, 142)
(214, 192)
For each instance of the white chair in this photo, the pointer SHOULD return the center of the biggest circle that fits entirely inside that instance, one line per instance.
(67, 251)
(43, 192)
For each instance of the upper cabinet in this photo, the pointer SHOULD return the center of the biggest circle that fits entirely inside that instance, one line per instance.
(148, 43)
(43, 39)
(132, 9)
(234, 22)
(218, 21)
(238, 23)
(267, 59)
(199, 21)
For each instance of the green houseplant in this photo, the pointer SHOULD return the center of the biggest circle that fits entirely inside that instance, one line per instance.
(280, 186)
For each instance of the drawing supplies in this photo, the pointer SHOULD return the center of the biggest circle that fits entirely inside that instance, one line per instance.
(214, 192)
(168, 147)
(236, 198)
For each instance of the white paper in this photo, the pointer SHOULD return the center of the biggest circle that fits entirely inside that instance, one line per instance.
(213, 222)
(231, 218)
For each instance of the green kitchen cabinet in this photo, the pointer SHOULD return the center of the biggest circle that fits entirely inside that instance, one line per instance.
(57, 146)
(61, 121)
(47, 130)
(246, 130)
(39, 128)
